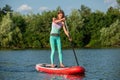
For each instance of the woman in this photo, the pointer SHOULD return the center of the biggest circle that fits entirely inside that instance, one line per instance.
(57, 24)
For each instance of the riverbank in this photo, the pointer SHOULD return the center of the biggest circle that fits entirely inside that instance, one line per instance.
(64, 48)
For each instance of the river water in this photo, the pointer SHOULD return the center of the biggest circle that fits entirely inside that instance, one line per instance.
(100, 64)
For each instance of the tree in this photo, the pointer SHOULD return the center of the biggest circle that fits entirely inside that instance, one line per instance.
(75, 23)
(95, 23)
(6, 27)
(84, 11)
(19, 21)
(7, 9)
(33, 30)
(0, 14)
(110, 36)
(38, 29)
(118, 1)
(17, 38)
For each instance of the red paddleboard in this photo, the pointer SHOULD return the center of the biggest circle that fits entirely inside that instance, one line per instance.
(73, 70)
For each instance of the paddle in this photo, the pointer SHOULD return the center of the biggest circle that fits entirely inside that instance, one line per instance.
(72, 45)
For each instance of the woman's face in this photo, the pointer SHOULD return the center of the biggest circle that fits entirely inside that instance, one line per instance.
(60, 15)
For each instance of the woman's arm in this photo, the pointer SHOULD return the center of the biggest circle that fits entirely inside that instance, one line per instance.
(66, 32)
(58, 20)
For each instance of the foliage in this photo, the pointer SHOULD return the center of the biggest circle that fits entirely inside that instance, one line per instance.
(6, 31)
(111, 36)
(5, 10)
(75, 24)
(87, 28)
(118, 1)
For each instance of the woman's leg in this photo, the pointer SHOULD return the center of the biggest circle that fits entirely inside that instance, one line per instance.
(59, 51)
(52, 44)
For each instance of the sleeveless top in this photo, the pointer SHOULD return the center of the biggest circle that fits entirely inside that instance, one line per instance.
(56, 28)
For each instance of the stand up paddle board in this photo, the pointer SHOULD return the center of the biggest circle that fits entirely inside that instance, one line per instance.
(73, 70)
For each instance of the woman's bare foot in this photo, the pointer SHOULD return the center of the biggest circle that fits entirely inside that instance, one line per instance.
(61, 65)
(52, 65)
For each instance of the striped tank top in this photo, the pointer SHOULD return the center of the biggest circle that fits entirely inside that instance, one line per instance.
(56, 28)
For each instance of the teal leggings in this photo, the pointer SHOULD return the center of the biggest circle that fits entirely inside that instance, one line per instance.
(55, 40)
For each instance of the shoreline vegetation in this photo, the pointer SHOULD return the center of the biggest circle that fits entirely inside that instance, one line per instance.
(68, 48)
(32, 31)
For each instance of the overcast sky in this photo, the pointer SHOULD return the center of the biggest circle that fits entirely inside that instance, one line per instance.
(37, 6)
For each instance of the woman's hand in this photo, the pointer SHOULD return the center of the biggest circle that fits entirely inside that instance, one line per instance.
(70, 39)
(58, 20)
(63, 23)
(63, 19)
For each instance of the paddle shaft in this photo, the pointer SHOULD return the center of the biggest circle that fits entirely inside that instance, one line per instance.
(72, 45)
(75, 55)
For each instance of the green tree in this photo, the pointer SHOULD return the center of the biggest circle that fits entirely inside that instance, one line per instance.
(10, 33)
(95, 23)
(111, 15)
(38, 29)
(19, 21)
(75, 23)
(6, 27)
(17, 37)
(7, 9)
(1, 14)
(87, 28)
(118, 1)
(111, 36)
(85, 12)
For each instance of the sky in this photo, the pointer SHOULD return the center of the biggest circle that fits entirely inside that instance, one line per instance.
(38, 6)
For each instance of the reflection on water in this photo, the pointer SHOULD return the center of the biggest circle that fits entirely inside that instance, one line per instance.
(64, 77)
(100, 64)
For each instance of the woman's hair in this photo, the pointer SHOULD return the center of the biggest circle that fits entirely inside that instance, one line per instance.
(61, 12)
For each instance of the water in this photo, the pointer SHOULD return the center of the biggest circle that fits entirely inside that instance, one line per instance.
(100, 64)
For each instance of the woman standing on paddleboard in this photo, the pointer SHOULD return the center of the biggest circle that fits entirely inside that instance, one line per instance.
(57, 24)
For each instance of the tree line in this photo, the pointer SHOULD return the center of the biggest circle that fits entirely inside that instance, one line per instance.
(87, 28)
